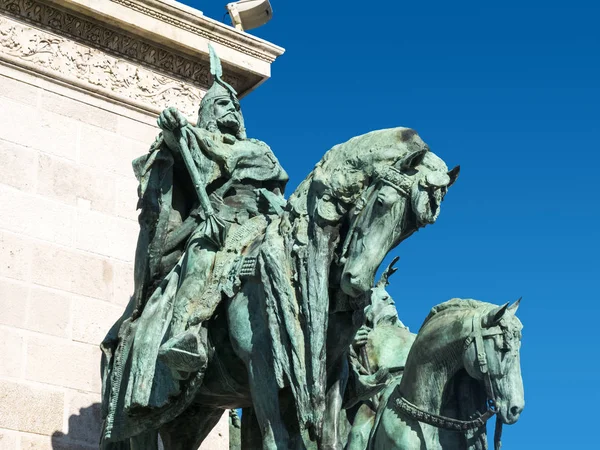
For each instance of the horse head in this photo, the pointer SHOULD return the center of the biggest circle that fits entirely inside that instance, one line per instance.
(402, 198)
(362, 199)
(492, 355)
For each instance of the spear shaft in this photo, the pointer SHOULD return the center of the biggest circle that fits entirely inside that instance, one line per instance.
(197, 179)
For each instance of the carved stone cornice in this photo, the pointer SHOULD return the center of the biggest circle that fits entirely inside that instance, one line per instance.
(113, 42)
(87, 49)
(207, 28)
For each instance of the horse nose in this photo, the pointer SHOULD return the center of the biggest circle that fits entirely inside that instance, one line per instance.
(349, 284)
(515, 412)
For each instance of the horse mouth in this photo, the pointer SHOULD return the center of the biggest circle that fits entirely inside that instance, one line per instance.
(427, 208)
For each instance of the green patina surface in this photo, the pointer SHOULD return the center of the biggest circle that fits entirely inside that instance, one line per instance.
(244, 299)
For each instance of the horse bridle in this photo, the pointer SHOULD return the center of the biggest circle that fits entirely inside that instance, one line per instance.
(395, 178)
(390, 176)
(477, 336)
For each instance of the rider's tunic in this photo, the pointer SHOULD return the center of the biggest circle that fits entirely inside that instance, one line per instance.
(134, 380)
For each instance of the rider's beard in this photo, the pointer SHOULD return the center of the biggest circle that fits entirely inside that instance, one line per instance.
(229, 122)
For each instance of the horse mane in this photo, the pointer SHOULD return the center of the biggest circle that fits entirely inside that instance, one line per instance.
(348, 168)
(455, 304)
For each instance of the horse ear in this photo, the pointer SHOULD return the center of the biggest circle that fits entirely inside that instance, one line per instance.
(513, 308)
(413, 160)
(453, 174)
(493, 318)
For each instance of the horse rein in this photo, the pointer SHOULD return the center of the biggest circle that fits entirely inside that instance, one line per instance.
(447, 423)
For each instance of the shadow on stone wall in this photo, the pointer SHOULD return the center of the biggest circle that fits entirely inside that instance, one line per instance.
(84, 430)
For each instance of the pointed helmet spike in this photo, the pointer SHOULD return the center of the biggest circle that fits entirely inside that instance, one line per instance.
(216, 70)
(217, 90)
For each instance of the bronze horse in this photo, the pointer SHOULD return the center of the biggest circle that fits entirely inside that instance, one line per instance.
(279, 342)
(463, 368)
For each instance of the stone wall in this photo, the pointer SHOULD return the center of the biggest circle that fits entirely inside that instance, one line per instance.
(74, 113)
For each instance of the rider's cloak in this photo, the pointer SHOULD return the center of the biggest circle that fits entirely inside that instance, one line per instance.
(150, 308)
(133, 377)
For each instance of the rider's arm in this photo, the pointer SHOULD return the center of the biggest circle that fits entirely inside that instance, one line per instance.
(211, 147)
(172, 123)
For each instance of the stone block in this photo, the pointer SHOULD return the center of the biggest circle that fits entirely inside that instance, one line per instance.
(218, 439)
(49, 311)
(57, 179)
(94, 278)
(123, 284)
(15, 121)
(92, 319)
(15, 256)
(9, 440)
(36, 442)
(42, 130)
(55, 134)
(58, 441)
(18, 166)
(108, 151)
(31, 408)
(136, 130)
(12, 348)
(35, 216)
(79, 110)
(63, 363)
(66, 182)
(127, 197)
(52, 266)
(13, 303)
(106, 235)
(72, 271)
(85, 417)
(18, 91)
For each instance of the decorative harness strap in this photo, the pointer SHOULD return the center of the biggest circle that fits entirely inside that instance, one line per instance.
(448, 423)
(396, 179)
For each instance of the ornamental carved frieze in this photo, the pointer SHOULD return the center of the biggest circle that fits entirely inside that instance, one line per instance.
(70, 59)
(102, 58)
(135, 5)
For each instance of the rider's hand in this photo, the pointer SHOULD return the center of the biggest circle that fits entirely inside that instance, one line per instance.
(171, 119)
(362, 335)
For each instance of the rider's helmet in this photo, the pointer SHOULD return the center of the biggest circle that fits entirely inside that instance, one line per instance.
(219, 89)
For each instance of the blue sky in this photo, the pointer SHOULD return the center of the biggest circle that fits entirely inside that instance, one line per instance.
(511, 92)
